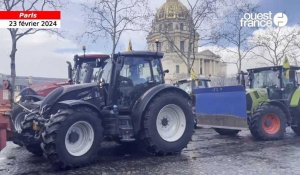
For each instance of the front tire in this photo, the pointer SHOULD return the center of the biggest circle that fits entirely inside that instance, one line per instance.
(268, 123)
(168, 124)
(72, 137)
(17, 116)
(27, 136)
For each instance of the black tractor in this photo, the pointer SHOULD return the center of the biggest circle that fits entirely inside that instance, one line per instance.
(84, 70)
(130, 103)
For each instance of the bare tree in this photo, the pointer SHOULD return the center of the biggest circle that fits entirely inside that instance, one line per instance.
(199, 13)
(274, 44)
(233, 37)
(111, 18)
(296, 55)
(16, 34)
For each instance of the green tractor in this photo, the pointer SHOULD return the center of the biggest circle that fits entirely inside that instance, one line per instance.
(273, 101)
(266, 108)
(129, 103)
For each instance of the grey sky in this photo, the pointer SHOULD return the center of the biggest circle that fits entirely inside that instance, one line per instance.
(45, 55)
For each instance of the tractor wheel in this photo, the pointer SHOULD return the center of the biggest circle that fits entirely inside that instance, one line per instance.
(72, 137)
(168, 124)
(17, 117)
(35, 148)
(227, 132)
(268, 123)
(27, 136)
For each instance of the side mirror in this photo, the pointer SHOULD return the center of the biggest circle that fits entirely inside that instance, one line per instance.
(165, 72)
(250, 76)
(120, 60)
(101, 82)
(243, 81)
(98, 63)
(70, 72)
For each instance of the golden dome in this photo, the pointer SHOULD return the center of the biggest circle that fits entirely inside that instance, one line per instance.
(172, 9)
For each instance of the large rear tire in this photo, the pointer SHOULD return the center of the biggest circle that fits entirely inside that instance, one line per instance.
(296, 130)
(168, 124)
(268, 123)
(72, 137)
(227, 132)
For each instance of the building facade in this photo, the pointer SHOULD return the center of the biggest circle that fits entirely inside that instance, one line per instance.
(171, 27)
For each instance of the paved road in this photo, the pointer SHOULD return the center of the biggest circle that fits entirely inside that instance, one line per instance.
(208, 153)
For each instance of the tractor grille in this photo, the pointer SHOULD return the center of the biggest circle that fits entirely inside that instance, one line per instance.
(256, 94)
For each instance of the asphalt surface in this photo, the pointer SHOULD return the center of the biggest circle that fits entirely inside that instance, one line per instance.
(208, 153)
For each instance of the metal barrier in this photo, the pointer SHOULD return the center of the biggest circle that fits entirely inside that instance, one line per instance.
(5, 125)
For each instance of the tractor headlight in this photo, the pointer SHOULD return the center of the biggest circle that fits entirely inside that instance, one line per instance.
(18, 98)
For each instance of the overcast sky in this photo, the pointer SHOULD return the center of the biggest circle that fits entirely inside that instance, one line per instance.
(45, 55)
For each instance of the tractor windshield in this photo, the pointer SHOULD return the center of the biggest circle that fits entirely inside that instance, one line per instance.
(266, 78)
(88, 72)
(105, 71)
(85, 68)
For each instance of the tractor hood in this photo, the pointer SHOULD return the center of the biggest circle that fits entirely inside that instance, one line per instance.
(69, 92)
(45, 89)
(259, 91)
(40, 89)
(255, 97)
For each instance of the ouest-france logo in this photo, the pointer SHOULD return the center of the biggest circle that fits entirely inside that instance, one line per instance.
(264, 19)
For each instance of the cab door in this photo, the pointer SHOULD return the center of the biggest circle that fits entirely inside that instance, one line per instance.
(289, 83)
(137, 75)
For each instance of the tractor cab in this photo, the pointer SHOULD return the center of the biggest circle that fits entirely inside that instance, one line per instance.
(86, 68)
(134, 73)
(279, 81)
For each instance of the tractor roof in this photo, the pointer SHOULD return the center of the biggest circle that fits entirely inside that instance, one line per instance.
(142, 53)
(92, 56)
(271, 68)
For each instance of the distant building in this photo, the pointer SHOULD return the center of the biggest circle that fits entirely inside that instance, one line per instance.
(172, 18)
(23, 81)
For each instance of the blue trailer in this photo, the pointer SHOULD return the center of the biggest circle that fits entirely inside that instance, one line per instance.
(221, 107)
(267, 107)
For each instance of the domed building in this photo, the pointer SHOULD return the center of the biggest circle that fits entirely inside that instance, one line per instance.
(171, 27)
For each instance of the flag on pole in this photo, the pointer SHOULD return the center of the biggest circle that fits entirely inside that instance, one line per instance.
(286, 66)
(193, 74)
(130, 46)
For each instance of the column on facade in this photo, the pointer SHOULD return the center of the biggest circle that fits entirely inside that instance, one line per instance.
(210, 67)
(203, 67)
(214, 67)
(197, 68)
